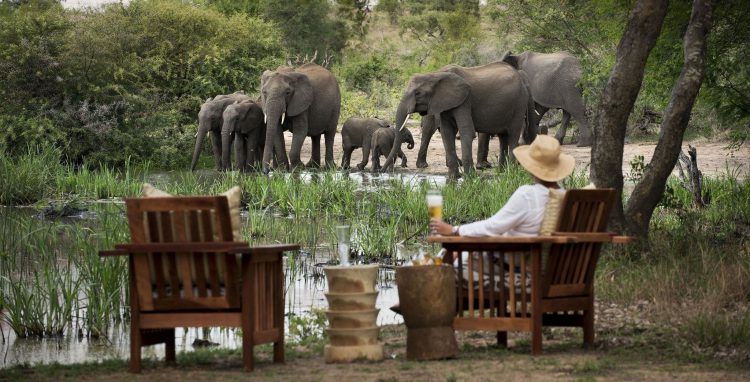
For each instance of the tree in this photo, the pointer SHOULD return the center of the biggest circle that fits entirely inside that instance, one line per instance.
(618, 98)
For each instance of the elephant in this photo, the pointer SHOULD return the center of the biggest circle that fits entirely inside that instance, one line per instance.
(244, 120)
(356, 133)
(310, 97)
(209, 119)
(383, 141)
(490, 99)
(553, 78)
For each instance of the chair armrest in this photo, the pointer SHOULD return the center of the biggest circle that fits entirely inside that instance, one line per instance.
(261, 249)
(622, 239)
(224, 246)
(596, 237)
(556, 239)
(113, 252)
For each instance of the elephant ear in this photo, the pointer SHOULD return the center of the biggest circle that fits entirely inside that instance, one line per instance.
(449, 92)
(303, 94)
(509, 58)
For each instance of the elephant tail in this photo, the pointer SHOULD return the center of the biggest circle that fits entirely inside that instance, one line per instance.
(532, 118)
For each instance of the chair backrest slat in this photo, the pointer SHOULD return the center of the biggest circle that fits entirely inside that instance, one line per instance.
(187, 280)
(570, 267)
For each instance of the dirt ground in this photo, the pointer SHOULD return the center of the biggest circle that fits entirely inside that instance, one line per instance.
(714, 158)
(479, 359)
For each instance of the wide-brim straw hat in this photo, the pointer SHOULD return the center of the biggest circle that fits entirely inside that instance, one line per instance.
(543, 159)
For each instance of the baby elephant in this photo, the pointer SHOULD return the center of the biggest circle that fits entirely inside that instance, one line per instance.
(382, 143)
(356, 133)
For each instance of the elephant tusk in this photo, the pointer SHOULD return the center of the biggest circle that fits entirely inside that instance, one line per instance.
(404, 124)
(265, 118)
(283, 116)
(536, 111)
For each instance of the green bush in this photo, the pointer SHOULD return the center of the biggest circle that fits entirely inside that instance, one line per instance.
(125, 81)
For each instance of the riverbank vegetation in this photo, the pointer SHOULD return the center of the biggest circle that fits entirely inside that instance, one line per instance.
(693, 279)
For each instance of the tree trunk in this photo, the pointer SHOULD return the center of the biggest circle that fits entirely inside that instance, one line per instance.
(641, 32)
(650, 188)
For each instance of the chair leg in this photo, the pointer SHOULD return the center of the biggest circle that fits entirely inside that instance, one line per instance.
(536, 341)
(588, 329)
(247, 349)
(502, 339)
(278, 351)
(135, 350)
(170, 347)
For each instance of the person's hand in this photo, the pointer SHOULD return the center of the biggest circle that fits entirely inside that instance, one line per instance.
(440, 227)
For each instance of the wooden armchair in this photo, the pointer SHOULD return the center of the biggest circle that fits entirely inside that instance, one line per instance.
(185, 271)
(498, 290)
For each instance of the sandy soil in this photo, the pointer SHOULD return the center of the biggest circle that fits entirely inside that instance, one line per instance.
(714, 158)
(479, 359)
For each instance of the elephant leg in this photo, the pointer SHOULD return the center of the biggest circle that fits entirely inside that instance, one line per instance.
(315, 157)
(346, 157)
(366, 144)
(375, 160)
(428, 130)
(465, 124)
(403, 157)
(540, 111)
(299, 132)
(448, 133)
(483, 149)
(504, 143)
(560, 136)
(330, 135)
(241, 152)
(216, 146)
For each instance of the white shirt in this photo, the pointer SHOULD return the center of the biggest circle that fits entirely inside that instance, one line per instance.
(521, 216)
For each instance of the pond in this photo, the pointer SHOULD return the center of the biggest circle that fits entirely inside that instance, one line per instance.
(75, 308)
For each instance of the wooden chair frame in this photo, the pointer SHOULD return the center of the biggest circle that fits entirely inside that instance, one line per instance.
(561, 295)
(180, 247)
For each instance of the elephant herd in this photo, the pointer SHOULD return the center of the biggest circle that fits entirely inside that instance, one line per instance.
(506, 98)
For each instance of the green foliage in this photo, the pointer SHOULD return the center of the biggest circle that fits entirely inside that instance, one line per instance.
(308, 27)
(124, 81)
(448, 30)
(359, 72)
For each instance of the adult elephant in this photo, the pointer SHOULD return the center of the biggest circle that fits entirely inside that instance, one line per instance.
(210, 119)
(553, 79)
(491, 99)
(244, 120)
(306, 101)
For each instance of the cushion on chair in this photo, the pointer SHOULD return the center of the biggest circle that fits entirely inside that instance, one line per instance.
(234, 197)
(552, 212)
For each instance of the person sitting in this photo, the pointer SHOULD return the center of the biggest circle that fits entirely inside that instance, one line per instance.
(523, 213)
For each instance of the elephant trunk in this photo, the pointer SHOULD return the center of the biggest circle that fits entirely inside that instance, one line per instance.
(405, 108)
(410, 145)
(273, 112)
(226, 146)
(202, 132)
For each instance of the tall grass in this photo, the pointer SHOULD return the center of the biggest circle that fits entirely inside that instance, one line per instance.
(696, 271)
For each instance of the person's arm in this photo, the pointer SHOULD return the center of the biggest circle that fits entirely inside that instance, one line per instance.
(512, 213)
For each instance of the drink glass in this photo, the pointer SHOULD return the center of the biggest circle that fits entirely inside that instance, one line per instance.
(342, 236)
(435, 204)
